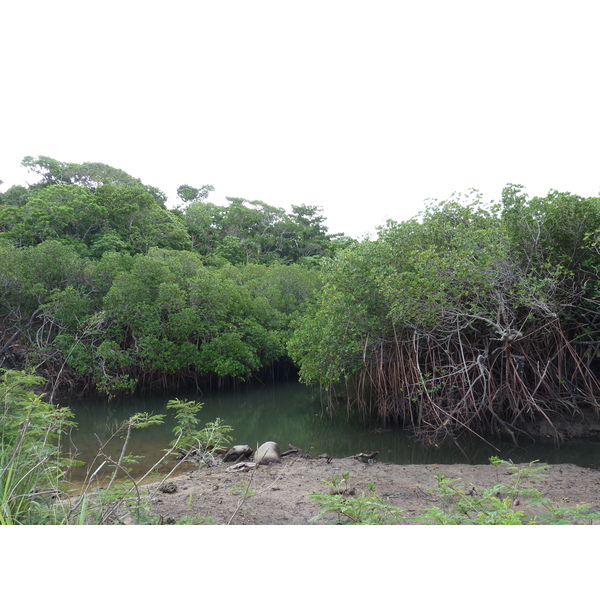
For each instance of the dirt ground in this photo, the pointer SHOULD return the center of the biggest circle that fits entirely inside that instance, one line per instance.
(278, 494)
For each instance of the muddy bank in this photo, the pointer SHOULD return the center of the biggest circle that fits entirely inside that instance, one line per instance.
(278, 494)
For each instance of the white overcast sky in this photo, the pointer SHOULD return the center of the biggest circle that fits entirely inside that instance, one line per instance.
(363, 108)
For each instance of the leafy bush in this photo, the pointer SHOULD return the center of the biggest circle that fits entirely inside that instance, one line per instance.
(31, 466)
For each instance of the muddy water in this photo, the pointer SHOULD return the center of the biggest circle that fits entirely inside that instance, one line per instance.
(290, 413)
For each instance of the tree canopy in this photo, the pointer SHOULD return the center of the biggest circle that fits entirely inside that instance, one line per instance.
(106, 288)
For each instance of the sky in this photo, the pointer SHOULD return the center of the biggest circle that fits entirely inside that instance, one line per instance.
(366, 109)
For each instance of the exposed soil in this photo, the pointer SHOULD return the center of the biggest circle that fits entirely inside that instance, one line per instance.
(278, 494)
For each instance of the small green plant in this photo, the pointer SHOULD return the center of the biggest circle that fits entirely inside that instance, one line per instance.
(136, 421)
(124, 501)
(497, 504)
(192, 439)
(356, 510)
(242, 489)
(460, 506)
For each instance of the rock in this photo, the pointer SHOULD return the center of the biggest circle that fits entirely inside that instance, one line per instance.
(237, 453)
(268, 453)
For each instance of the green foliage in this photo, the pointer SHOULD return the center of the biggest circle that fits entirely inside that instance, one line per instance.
(195, 520)
(31, 467)
(65, 212)
(17, 195)
(552, 230)
(255, 232)
(141, 223)
(329, 341)
(187, 193)
(106, 288)
(164, 312)
(472, 317)
(190, 438)
(497, 504)
(98, 208)
(366, 509)
(169, 313)
(94, 207)
(88, 175)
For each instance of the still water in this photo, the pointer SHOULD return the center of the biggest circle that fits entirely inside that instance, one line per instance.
(291, 413)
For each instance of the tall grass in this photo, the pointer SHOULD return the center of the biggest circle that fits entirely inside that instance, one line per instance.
(31, 467)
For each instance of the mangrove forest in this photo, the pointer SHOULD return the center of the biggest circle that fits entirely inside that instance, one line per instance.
(473, 316)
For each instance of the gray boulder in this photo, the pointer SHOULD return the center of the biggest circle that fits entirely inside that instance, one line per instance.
(267, 453)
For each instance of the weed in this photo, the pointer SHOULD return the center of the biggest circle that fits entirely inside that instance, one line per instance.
(193, 440)
(242, 489)
(351, 509)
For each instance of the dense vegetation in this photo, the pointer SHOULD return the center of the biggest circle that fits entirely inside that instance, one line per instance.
(103, 288)
(470, 317)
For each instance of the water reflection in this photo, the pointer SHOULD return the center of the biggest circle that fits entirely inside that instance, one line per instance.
(290, 413)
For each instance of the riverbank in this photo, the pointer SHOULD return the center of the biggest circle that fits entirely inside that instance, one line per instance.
(279, 494)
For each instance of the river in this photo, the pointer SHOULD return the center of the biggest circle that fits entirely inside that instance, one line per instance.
(291, 413)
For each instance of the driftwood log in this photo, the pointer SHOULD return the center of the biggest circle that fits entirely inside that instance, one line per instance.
(292, 450)
(365, 458)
